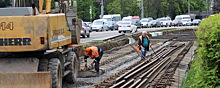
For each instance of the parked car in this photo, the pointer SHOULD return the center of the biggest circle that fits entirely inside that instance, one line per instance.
(99, 25)
(166, 21)
(118, 23)
(127, 26)
(85, 30)
(145, 22)
(181, 17)
(127, 19)
(111, 25)
(186, 22)
(155, 23)
(90, 25)
(177, 23)
(136, 20)
(196, 22)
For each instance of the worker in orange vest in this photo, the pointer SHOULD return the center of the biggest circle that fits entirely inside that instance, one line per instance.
(143, 43)
(94, 53)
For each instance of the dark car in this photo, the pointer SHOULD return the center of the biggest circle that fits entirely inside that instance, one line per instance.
(196, 22)
(136, 20)
(155, 23)
(177, 23)
(111, 25)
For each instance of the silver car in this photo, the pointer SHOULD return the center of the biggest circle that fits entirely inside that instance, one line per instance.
(99, 25)
(85, 30)
(127, 26)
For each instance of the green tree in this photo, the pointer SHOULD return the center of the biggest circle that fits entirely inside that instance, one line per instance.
(205, 69)
(153, 8)
(83, 7)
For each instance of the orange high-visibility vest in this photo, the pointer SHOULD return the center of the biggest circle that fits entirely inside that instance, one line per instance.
(93, 50)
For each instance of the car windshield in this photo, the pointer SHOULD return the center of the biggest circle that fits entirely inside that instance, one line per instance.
(109, 22)
(163, 19)
(108, 19)
(175, 20)
(178, 18)
(158, 19)
(126, 19)
(153, 21)
(84, 25)
(185, 20)
(134, 20)
(144, 20)
(98, 23)
(196, 20)
(125, 23)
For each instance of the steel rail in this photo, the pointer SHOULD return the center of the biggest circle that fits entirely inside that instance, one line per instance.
(140, 74)
(166, 78)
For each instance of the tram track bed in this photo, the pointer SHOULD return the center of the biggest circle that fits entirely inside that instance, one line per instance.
(118, 60)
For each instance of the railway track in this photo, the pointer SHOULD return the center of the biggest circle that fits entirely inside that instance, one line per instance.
(141, 74)
(167, 77)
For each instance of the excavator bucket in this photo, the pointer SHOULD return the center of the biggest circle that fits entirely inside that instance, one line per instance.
(26, 80)
(22, 73)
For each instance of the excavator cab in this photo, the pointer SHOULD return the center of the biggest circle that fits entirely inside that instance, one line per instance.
(38, 45)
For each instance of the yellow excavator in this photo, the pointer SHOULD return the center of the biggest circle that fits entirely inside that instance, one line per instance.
(38, 48)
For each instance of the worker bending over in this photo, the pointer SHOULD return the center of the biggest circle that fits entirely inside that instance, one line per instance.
(143, 42)
(94, 53)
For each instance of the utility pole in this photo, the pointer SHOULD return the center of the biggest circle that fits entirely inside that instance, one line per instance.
(90, 12)
(142, 9)
(189, 7)
(148, 8)
(207, 8)
(102, 9)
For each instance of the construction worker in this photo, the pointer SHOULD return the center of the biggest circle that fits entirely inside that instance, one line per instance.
(94, 53)
(143, 43)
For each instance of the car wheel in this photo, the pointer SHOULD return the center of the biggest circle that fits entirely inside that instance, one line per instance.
(83, 36)
(124, 31)
(88, 35)
(119, 31)
(102, 29)
(136, 30)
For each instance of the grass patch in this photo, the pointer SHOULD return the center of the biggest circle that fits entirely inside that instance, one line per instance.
(189, 79)
(96, 41)
(169, 30)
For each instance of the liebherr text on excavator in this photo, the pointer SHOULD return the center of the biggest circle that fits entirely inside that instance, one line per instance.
(38, 48)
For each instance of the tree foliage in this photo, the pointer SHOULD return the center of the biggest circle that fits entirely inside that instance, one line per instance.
(205, 68)
(152, 8)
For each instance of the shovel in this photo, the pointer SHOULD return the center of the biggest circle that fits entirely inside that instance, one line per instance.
(131, 41)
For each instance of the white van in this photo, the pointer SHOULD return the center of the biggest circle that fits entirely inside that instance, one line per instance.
(112, 17)
(99, 25)
(180, 17)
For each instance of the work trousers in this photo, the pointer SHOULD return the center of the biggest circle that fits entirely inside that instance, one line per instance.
(143, 52)
(97, 60)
